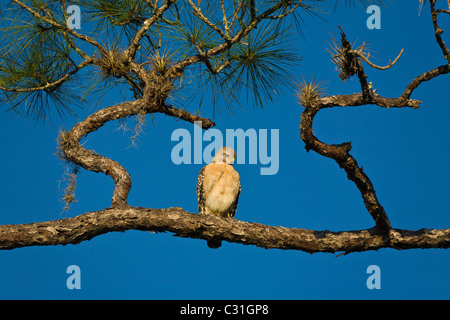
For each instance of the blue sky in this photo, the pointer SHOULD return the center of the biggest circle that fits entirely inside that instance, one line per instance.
(405, 152)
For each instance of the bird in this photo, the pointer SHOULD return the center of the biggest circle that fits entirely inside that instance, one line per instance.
(219, 188)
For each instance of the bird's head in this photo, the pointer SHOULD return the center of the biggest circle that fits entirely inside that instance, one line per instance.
(224, 155)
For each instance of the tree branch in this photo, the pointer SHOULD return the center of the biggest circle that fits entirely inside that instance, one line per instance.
(74, 152)
(360, 54)
(189, 225)
(287, 12)
(438, 31)
(62, 27)
(131, 52)
(55, 83)
(178, 67)
(198, 12)
(426, 76)
(340, 153)
(185, 115)
(348, 60)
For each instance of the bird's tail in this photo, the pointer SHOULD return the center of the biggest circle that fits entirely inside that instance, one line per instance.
(214, 244)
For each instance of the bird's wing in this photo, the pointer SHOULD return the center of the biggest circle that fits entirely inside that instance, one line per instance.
(234, 205)
(201, 192)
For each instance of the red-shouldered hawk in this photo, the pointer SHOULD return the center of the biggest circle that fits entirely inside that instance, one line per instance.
(218, 188)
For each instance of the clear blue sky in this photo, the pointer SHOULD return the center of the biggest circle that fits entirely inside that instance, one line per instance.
(405, 152)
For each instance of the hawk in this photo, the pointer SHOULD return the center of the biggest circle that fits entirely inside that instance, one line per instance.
(218, 188)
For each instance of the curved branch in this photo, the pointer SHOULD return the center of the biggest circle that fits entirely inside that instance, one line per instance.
(340, 153)
(426, 76)
(444, 69)
(73, 151)
(89, 160)
(373, 65)
(189, 225)
(347, 60)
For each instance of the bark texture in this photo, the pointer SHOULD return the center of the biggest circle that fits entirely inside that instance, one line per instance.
(189, 225)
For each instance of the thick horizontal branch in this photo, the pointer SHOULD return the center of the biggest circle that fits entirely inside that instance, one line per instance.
(189, 225)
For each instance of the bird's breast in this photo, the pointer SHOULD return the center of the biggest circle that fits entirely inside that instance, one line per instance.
(221, 185)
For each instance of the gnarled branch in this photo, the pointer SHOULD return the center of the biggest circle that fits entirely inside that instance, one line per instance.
(89, 160)
(340, 153)
(348, 60)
